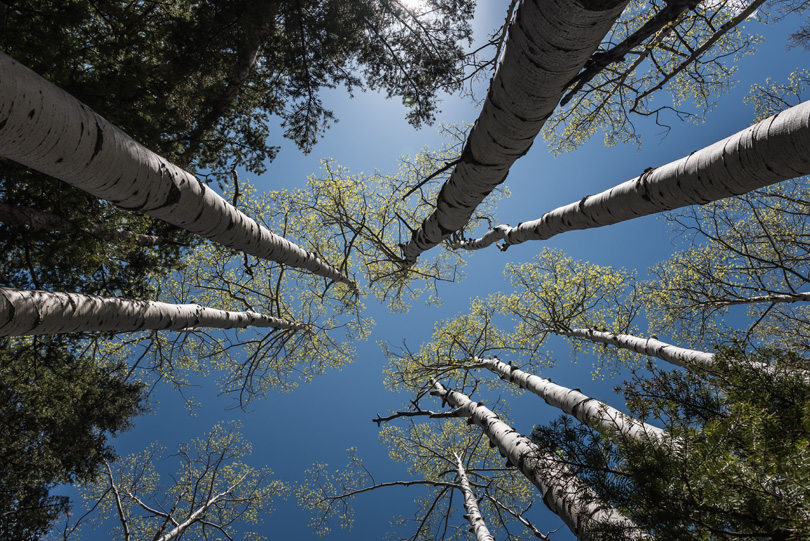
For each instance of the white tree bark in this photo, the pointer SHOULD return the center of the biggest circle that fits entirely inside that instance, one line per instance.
(44, 128)
(549, 42)
(775, 298)
(41, 312)
(573, 501)
(477, 524)
(652, 347)
(768, 152)
(196, 516)
(587, 410)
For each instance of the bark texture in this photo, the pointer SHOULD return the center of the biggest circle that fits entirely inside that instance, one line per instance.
(775, 298)
(46, 129)
(585, 409)
(41, 312)
(652, 347)
(573, 501)
(768, 152)
(477, 525)
(549, 42)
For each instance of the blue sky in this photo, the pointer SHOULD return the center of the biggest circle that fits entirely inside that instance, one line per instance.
(319, 421)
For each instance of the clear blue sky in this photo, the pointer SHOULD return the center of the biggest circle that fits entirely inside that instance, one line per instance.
(319, 421)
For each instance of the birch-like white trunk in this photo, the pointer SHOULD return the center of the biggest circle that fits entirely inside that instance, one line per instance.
(774, 298)
(46, 129)
(573, 501)
(548, 44)
(477, 524)
(194, 517)
(585, 409)
(652, 347)
(41, 312)
(768, 152)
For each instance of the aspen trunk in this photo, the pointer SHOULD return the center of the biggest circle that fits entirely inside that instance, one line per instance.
(587, 410)
(196, 516)
(40, 312)
(477, 525)
(652, 347)
(573, 501)
(46, 129)
(768, 152)
(775, 298)
(548, 44)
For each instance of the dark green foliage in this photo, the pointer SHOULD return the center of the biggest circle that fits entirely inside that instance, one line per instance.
(743, 466)
(57, 410)
(199, 83)
(83, 259)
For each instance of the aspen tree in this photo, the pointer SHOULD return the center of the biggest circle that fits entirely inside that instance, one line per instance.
(429, 450)
(585, 409)
(742, 468)
(328, 319)
(477, 524)
(686, 49)
(48, 130)
(212, 493)
(547, 45)
(748, 252)
(574, 502)
(768, 152)
(41, 312)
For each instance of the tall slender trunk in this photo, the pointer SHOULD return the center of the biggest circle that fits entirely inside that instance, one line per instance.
(40, 312)
(44, 128)
(775, 298)
(548, 44)
(572, 500)
(37, 219)
(652, 347)
(768, 152)
(589, 411)
(477, 524)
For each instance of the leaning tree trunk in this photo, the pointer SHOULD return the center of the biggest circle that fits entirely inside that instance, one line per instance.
(773, 298)
(37, 219)
(196, 516)
(768, 152)
(652, 347)
(477, 525)
(572, 500)
(40, 312)
(585, 409)
(45, 128)
(548, 44)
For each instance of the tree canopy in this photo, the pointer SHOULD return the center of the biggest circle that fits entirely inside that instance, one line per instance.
(175, 109)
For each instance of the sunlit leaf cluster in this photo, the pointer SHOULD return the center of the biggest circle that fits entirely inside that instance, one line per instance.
(746, 252)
